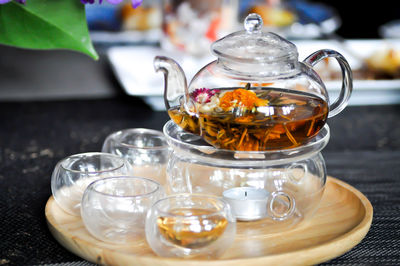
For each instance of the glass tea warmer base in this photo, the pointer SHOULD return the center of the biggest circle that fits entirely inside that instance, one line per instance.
(272, 189)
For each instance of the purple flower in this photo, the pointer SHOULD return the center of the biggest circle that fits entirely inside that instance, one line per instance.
(89, 1)
(6, 1)
(135, 3)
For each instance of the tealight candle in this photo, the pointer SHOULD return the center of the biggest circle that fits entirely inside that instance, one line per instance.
(247, 203)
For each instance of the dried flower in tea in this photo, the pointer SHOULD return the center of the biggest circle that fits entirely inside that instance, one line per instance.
(253, 119)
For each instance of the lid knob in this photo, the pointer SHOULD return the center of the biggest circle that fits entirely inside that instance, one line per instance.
(253, 23)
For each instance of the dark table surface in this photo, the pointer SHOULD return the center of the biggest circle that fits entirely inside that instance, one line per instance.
(364, 151)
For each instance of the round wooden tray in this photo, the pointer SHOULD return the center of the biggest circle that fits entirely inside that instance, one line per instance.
(341, 222)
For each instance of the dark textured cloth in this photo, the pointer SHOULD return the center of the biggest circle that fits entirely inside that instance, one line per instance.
(364, 151)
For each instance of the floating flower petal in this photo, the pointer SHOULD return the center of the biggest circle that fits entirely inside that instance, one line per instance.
(241, 98)
(203, 95)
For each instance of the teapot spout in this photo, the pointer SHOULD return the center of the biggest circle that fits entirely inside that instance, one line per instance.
(175, 84)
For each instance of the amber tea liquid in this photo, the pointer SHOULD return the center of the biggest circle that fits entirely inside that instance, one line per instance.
(192, 228)
(289, 120)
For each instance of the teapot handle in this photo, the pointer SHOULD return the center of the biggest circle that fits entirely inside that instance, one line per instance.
(347, 83)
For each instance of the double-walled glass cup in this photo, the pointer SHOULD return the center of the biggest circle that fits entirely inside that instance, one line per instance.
(190, 226)
(276, 188)
(114, 209)
(146, 150)
(72, 175)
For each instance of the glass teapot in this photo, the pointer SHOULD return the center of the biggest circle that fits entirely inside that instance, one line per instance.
(256, 96)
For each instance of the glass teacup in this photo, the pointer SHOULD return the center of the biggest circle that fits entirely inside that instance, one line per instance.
(114, 209)
(72, 175)
(190, 226)
(146, 150)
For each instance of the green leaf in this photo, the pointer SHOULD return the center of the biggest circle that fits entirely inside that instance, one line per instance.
(46, 24)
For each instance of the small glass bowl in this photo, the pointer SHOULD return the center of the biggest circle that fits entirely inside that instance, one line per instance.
(146, 150)
(114, 209)
(73, 174)
(190, 226)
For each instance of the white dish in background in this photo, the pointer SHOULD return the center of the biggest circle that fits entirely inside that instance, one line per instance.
(365, 92)
(133, 67)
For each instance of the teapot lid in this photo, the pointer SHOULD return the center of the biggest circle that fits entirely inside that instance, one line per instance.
(254, 46)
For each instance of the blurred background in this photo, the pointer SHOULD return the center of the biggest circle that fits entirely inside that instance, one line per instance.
(56, 103)
(127, 39)
(358, 20)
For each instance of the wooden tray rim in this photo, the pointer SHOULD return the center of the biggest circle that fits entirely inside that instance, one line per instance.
(337, 246)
